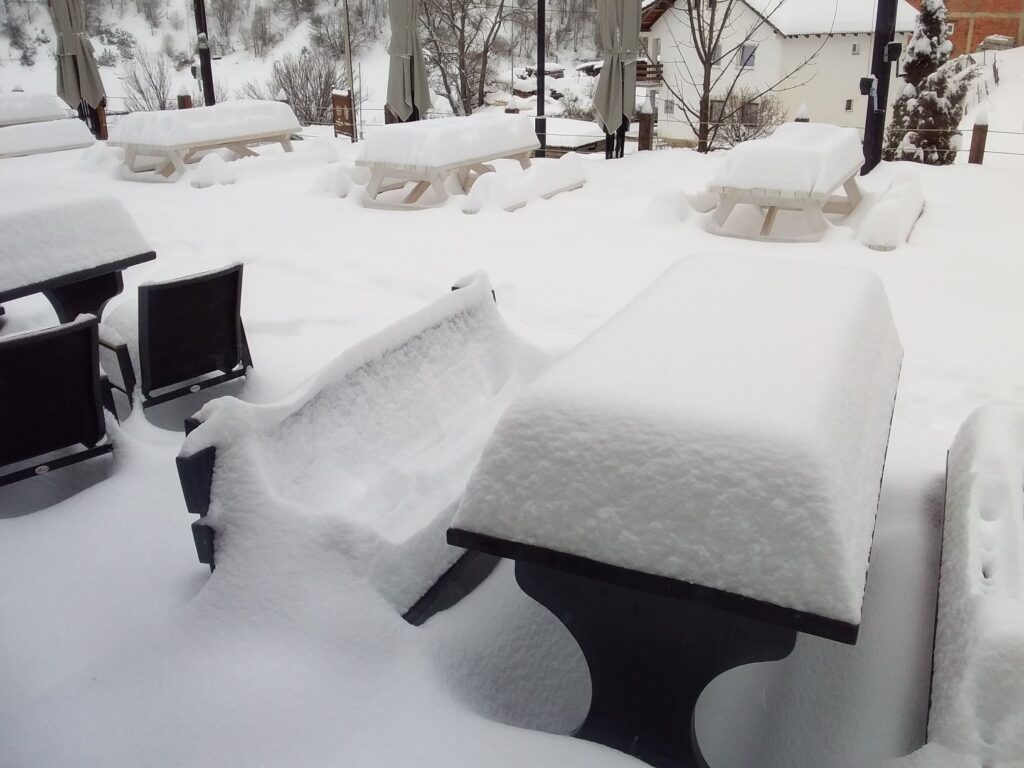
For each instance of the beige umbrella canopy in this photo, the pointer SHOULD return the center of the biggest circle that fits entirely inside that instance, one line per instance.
(618, 30)
(408, 86)
(78, 77)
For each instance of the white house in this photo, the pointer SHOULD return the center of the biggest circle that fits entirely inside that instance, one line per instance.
(813, 51)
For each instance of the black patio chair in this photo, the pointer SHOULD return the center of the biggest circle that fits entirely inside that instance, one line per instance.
(188, 329)
(51, 399)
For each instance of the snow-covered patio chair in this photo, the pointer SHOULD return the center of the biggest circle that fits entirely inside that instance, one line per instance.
(51, 400)
(798, 168)
(696, 483)
(163, 142)
(375, 448)
(182, 336)
(977, 701)
(427, 153)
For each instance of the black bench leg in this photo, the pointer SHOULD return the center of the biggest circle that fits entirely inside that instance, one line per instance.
(650, 656)
(87, 296)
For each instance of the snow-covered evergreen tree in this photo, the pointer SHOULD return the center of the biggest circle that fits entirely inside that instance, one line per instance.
(928, 111)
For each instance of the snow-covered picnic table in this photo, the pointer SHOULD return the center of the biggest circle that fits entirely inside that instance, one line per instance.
(720, 442)
(799, 167)
(18, 107)
(174, 137)
(71, 246)
(427, 152)
(39, 137)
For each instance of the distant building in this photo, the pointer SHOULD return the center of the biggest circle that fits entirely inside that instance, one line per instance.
(971, 21)
(842, 30)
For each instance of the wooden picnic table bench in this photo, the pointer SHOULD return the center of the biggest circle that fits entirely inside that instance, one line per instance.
(427, 153)
(164, 142)
(696, 483)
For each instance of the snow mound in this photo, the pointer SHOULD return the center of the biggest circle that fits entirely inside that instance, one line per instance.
(212, 170)
(20, 107)
(204, 125)
(514, 190)
(891, 220)
(381, 442)
(46, 232)
(449, 141)
(798, 158)
(727, 428)
(978, 682)
(52, 136)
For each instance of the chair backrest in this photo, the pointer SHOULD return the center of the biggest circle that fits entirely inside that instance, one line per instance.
(50, 391)
(190, 327)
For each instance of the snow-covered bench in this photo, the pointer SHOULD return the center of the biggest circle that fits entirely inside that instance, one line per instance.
(40, 137)
(17, 108)
(978, 672)
(377, 447)
(696, 482)
(427, 152)
(799, 168)
(174, 137)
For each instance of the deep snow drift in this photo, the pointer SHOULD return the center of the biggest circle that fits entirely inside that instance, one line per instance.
(119, 649)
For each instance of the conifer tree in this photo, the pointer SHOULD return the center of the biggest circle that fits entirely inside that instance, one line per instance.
(929, 109)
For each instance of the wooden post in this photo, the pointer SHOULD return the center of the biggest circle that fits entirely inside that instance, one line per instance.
(979, 138)
(646, 129)
(101, 121)
(354, 133)
(184, 101)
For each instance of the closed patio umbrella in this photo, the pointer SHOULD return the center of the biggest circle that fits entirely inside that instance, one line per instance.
(78, 77)
(618, 26)
(408, 88)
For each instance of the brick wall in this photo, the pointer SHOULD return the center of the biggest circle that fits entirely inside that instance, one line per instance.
(974, 20)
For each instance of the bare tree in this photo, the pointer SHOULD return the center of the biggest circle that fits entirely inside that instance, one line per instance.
(747, 114)
(226, 13)
(306, 82)
(327, 33)
(260, 36)
(147, 81)
(718, 47)
(152, 11)
(459, 37)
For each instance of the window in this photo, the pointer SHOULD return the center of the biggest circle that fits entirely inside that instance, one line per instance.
(849, 105)
(950, 28)
(717, 110)
(750, 113)
(656, 48)
(716, 55)
(668, 106)
(748, 54)
(856, 49)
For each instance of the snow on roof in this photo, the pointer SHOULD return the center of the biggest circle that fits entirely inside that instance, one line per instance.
(817, 17)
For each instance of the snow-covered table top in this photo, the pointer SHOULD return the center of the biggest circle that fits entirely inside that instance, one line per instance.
(810, 159)
(224, 122)
(18, 107)
(49, 136)
(726, 429)
(449, 142)
(50, 233)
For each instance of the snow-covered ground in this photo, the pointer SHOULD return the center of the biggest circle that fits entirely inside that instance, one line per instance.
(119, 649)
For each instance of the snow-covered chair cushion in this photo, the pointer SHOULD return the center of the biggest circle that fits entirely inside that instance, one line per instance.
(377, 447)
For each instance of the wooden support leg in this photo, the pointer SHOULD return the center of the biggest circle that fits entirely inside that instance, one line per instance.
(814, 217)
(241, 150)
(286, 144)
(376, 179)
(525, 161)
(853, 193)
(417, 192)
(650, 657)
(769, 221)
(725, 207)
(437, 182)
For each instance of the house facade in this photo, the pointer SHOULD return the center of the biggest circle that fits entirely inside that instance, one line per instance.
(808, 54)
(971, 21)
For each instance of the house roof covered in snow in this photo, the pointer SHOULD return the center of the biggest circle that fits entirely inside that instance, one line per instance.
(809, 17)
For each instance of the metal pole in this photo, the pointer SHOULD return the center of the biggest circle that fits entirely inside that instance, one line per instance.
(351, 80)
(205, 68)
(881, 66)
(541, 123)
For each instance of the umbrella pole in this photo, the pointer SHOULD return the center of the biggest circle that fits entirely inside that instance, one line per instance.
(541, 125)
(205, 63)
